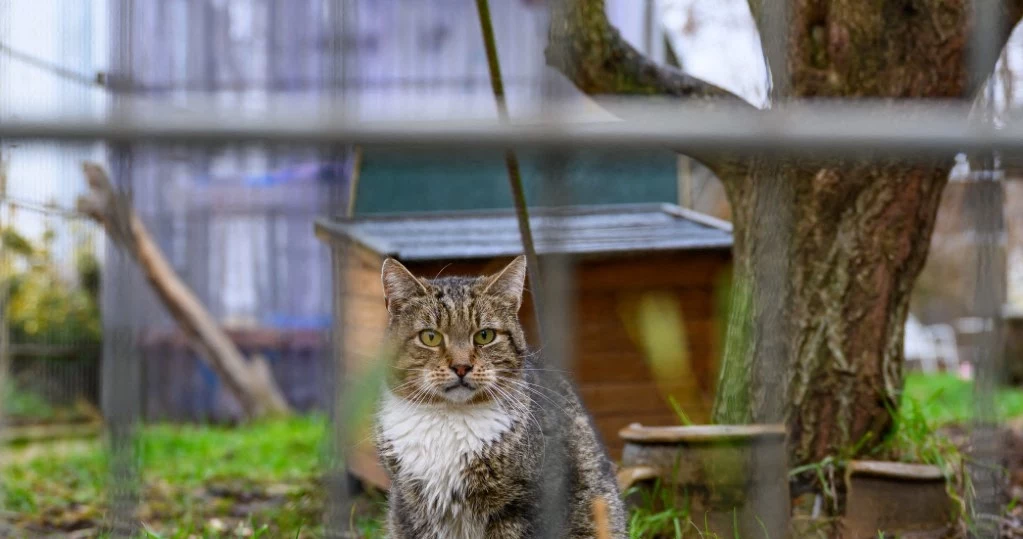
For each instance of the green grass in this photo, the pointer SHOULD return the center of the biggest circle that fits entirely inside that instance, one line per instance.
(658, 513)
(21, 403)
(263, 478)
(283, 450)
(197, 480)
(945, 398)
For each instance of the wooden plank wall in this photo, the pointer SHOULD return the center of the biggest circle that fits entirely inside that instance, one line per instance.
(611, 371)
(363, 322)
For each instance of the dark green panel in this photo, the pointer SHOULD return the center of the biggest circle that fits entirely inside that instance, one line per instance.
(393, 183)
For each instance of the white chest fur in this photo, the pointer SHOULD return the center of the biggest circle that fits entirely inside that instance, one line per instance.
(431, 443)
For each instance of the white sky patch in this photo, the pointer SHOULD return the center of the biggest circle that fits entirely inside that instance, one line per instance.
(717, 41)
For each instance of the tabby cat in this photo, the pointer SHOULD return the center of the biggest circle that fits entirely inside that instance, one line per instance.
(479, 442)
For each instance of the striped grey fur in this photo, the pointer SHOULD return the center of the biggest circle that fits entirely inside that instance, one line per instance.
(467, 434)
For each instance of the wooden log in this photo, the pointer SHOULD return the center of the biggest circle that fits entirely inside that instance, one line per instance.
(249, 381)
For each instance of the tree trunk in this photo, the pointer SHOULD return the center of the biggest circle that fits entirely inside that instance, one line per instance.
(825, 252)
(858, 239)
(251, 382)
(859, 230)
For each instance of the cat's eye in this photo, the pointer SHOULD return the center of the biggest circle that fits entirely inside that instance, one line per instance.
(484, 336)
(430, 338)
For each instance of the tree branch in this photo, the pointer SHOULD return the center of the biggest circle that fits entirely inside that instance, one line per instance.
(250, 381)
(586, 48)
(591, 53)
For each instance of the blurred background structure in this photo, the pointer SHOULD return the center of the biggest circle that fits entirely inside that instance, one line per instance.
(234, 221)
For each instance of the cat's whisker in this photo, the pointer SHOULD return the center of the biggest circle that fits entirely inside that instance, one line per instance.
(525, 395)
(520, 404)
(542, 404)
(534, 353)
(411, 400)
(528, 414)
(509, 399)
(531, 369)
(398, 388)
(415, 369)
(535, 385)
(423, 393)
(413, 382)
(413, 378)
(521, 384)
(404, 384)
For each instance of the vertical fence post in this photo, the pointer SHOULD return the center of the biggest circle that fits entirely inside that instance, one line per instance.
(5, 359)
(121, 354)
(985, 207)
(121, 372)
(342, 18)
(985, 468)
(5, 335)
(770, 293)
(338, 504)
(557, 323)
(557, 294)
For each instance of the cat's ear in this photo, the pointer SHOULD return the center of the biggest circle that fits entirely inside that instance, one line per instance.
(399, 283)
(510, 281)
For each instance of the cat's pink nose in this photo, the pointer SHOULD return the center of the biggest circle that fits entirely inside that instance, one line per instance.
(461, 370)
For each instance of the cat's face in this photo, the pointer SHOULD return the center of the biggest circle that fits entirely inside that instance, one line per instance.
(457, 339)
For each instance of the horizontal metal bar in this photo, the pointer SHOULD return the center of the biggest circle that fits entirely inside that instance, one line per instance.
(932, 128)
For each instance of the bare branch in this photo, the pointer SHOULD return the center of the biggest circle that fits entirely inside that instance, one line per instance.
(586, 48)
(590, 52)
(107, 206)
(249, 381)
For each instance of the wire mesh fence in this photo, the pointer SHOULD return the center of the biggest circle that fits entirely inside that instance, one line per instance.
(232, 126)
(51, 320)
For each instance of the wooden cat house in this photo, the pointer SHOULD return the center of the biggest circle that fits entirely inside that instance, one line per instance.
(620, 254)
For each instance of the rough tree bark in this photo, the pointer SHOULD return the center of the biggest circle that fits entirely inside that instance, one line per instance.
(858, 230)
(250, 381)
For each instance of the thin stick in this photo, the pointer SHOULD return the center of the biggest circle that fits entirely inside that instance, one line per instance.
(353, 184)
(251, 382)
(510, 159)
